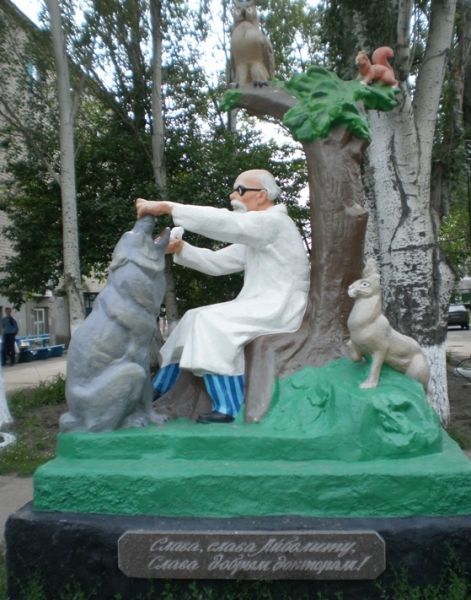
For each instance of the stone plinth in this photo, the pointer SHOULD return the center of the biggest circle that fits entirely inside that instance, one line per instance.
(58, 549)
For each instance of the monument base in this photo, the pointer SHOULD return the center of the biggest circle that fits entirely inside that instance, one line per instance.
(327, 449)
(56, 551)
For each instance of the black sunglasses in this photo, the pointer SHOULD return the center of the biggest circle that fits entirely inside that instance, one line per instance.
(241, 189)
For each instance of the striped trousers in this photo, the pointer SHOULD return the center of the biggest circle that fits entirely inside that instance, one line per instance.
(225, 391)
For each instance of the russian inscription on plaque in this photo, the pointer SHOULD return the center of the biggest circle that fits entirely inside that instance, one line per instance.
(252, 555)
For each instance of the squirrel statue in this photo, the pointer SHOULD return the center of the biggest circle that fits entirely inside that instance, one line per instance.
(378, 69)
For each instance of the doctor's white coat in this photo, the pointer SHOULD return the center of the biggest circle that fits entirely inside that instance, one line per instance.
(267, 246)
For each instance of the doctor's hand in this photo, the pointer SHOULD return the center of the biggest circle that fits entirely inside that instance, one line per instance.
(152, 207)
(174, 246)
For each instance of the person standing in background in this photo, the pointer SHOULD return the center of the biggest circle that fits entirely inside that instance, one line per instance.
(9, 331)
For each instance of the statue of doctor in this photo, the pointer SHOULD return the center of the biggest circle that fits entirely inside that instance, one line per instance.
(265, 244)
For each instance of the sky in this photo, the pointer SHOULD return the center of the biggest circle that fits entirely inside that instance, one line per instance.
(31, 9)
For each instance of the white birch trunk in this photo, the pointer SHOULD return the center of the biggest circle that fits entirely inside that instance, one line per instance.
(404, 227)
(416, 282)
(5, 415)
(158, 146)
(437, 387)
(158, 128)
(72, 278)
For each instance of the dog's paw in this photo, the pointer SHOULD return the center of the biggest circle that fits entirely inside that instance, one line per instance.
(158, 419)
(137, 420)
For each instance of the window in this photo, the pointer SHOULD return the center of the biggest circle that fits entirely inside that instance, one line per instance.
(40, 321)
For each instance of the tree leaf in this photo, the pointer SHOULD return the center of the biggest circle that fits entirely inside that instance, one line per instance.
(325, 102)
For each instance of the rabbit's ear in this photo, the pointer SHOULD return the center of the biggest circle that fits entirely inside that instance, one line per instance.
(370, 267)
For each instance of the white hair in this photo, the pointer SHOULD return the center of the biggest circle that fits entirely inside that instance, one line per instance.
(269, 183)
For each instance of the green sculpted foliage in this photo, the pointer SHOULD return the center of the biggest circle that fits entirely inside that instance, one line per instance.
(230, 100)
(325, 102)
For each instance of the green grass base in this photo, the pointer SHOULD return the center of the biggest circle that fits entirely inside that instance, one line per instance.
(327, 449)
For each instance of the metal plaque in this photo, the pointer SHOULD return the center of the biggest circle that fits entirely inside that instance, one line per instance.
(336, 555)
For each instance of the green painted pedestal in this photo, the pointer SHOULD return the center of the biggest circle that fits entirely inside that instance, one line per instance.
(326, 449)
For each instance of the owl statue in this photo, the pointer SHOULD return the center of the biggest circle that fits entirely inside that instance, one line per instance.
(251, 51)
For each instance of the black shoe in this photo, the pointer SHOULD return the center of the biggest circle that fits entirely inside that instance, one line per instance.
(214, 417)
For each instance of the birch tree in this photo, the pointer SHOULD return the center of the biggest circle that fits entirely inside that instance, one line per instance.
(5, 415)
(465, 98)
(72, 277)
(158, 146)
(451, 160)
(404, 223)
(111, 23)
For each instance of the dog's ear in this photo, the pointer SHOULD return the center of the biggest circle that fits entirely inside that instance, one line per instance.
(161, 241)
(370, 268)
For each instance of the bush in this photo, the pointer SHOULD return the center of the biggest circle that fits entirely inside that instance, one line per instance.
(45, 394)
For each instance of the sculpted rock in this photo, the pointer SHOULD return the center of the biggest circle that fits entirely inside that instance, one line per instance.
(346, 423)
(371, 333)
(108, 372)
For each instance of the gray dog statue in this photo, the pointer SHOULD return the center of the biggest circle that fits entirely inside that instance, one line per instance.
(108, 370)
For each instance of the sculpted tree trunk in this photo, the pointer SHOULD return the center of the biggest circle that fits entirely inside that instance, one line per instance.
(72, 277)
(338, 222)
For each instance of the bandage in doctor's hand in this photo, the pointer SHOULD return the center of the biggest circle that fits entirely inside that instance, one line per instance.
(175, 244)
(177, 233)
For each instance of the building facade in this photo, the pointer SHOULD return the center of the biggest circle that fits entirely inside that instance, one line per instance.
(48, 313)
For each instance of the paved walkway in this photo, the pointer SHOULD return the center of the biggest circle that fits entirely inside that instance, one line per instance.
(458, 344)
(26, 375)
(16, 491)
